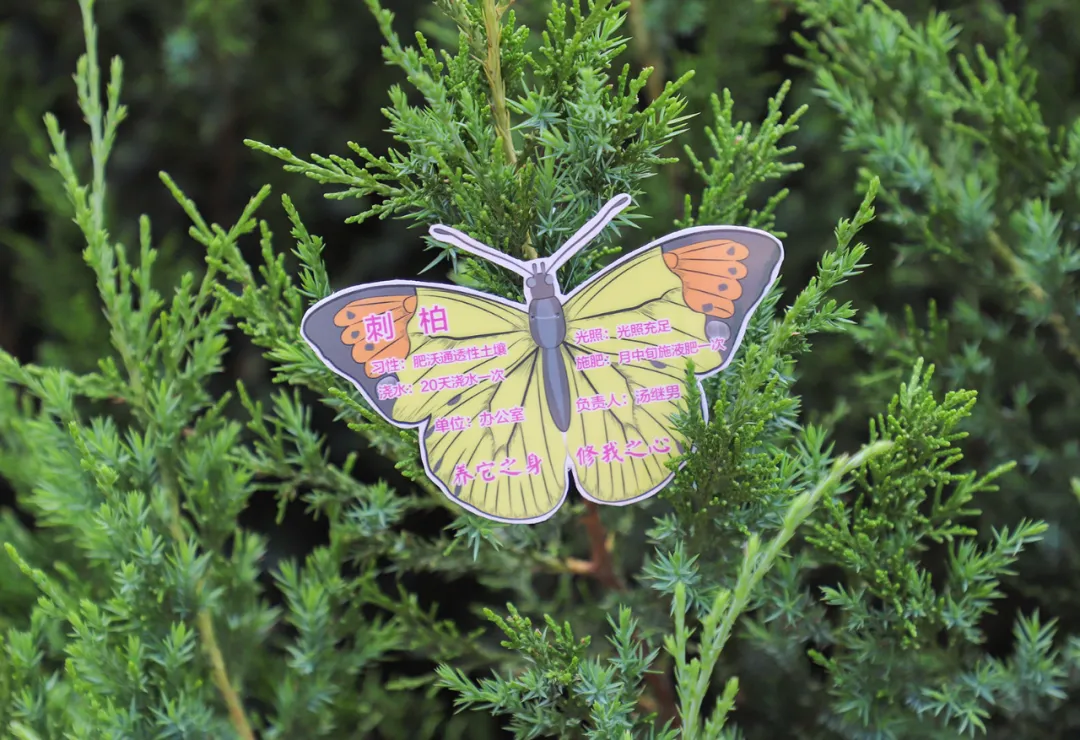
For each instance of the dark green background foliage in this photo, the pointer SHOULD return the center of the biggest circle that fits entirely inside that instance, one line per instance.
(209, 535)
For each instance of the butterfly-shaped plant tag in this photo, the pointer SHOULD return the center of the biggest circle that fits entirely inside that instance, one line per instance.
(510, 400)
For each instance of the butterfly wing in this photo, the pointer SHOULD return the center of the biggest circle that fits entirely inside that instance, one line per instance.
(630, 331)
(461, 367)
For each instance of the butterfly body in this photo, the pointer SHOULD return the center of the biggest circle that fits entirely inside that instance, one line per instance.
(547, 326)
(512, 400)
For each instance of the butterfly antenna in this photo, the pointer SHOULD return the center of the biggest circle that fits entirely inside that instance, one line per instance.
(589, 231)
(448, 235)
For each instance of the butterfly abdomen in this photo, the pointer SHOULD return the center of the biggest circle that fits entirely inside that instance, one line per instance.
(556, 386)
(547, 324)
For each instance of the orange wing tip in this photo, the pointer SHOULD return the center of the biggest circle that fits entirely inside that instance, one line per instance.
(710, 272)
(395, 340)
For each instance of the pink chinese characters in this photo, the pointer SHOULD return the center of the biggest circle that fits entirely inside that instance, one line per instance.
(488, 471)
(612, 452)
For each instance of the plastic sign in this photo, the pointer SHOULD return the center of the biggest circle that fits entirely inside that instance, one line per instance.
(511, 400)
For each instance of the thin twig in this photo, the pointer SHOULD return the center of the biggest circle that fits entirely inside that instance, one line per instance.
(205, 624)
(493, 71)
(601, 567)
(221, 677)
(600, 550)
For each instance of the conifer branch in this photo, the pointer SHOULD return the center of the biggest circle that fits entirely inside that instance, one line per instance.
(1019, 271)
(118, 282)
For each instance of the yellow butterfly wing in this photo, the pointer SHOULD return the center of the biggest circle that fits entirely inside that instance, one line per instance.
(630, 331)
(463, 369)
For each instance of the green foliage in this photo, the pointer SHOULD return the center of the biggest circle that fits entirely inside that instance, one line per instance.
(779, 587)
(918, 110)
(582, 138)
